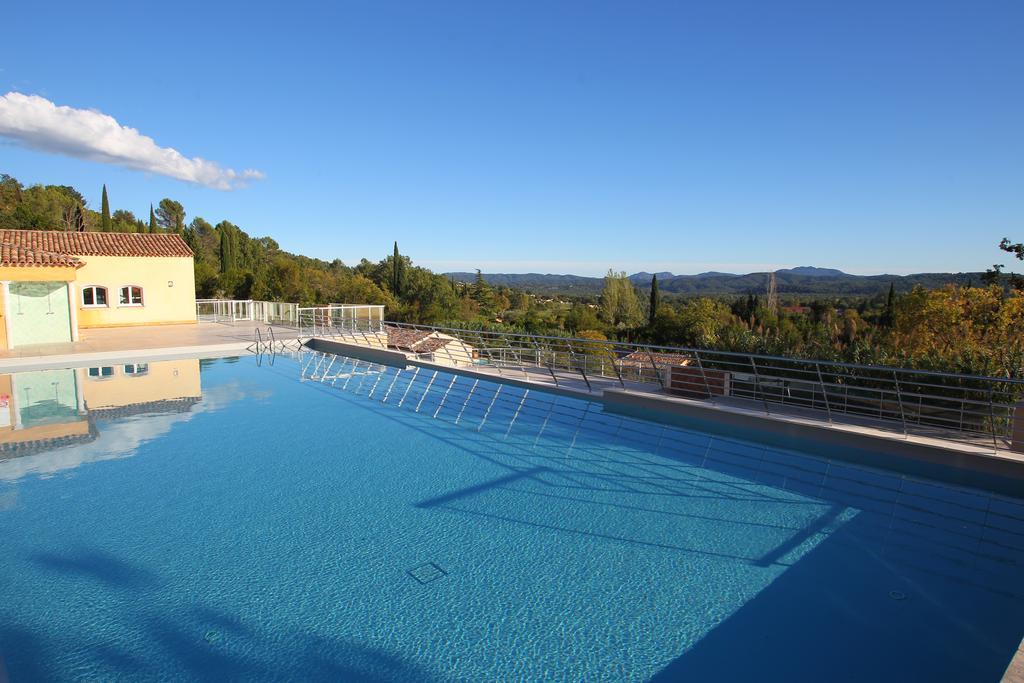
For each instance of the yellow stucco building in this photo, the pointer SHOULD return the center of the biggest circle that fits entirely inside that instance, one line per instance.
(54, 283)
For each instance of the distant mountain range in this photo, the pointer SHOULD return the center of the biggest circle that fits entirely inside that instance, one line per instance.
(804, 280)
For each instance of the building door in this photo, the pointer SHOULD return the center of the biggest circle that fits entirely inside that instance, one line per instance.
(39, 313)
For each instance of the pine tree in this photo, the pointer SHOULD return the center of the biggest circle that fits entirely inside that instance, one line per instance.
(105, 224)
(152, 220)
(483, 295)
(655, 300)
(170, 215)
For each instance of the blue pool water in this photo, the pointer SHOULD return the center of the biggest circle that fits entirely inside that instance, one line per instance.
(322, 518)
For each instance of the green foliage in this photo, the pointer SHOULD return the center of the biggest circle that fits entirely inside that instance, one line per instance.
(152, 220)
(41, 207)
(1017, 249)
(582, 317)
(124, 221)
(484, 297)
(1011, 248)
(620, 306)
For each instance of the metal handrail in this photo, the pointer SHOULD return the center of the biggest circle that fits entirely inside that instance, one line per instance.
(340, 317)
(957, 407)
(234, 310)
(686, 349)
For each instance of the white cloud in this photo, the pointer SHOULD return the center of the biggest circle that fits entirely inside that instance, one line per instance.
(37, 123)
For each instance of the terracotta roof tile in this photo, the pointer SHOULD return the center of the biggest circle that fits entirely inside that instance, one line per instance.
(642, 359)
(431, 345)
(405, 340)
(58, 248)
(13, 255)
(416, 341)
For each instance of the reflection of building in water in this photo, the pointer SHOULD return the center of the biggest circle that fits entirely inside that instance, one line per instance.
(135, 388)
(51, 408)
(42, 409)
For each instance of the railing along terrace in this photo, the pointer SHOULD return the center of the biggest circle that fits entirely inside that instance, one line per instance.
(968, 408)
(232, 310)
(337, 319)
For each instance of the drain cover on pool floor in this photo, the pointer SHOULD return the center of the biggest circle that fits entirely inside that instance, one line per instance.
(427, 572)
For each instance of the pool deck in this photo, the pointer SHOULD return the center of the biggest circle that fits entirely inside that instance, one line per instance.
(1015, 671)
(141, 343)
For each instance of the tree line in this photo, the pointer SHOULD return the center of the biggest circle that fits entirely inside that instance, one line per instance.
(969, 328)
(231, 264)
(972, 329)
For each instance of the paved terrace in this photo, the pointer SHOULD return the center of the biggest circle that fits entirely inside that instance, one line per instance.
(147, 341)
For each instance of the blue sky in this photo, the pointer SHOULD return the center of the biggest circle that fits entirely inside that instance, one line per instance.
(557, 137)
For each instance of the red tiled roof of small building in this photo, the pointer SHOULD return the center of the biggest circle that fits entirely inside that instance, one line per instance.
(416, 341)
(56, 247)
(432, 344)
(404, 339)
(642, 359)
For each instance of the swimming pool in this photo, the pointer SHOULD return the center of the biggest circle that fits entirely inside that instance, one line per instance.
(326, 518)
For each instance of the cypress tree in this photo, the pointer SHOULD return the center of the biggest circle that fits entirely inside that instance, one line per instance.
(655, 300)
(889, 315)
(105, 224)
(397, 273)
(152, 220)
(228, 247)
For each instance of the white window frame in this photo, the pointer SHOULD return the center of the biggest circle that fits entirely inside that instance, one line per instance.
(136, 369)
(142, 296)
(106, 295)
(100, 376)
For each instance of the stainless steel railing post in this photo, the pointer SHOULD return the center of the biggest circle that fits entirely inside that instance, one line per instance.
(824, 392)
(757, 386)
(899, 398)
(657, 372)
(704, 376)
